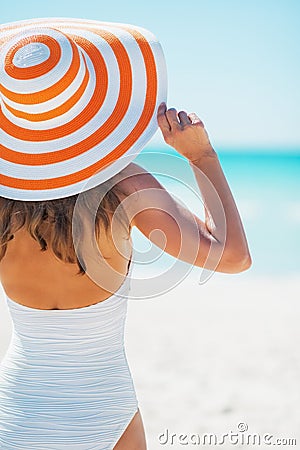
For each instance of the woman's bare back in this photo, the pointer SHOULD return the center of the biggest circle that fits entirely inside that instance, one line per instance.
(38, 279)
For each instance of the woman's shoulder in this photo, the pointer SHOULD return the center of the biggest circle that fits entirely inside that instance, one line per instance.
(135, 178)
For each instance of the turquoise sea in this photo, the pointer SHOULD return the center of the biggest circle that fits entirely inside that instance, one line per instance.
(266, 188)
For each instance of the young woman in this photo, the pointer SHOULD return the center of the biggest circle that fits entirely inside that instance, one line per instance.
(65, 381)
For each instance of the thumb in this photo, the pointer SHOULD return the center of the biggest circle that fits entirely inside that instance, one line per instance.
(163, 121)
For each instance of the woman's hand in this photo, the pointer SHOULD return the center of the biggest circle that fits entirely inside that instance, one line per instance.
(185, 133)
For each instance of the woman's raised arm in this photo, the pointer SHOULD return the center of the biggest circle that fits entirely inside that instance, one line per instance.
(217, 244)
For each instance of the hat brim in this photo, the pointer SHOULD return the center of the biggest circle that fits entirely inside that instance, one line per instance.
(48, 154)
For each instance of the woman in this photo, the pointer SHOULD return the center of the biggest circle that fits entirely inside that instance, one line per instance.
(65, 381)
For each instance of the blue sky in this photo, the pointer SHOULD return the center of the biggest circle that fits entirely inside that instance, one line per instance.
(235, 63)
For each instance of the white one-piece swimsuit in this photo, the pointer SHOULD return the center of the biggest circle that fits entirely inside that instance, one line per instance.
(65, 382)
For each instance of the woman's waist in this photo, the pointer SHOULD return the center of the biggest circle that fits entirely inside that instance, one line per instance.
(64, 378)
(61, 356)
(64, 386)
(32, 372)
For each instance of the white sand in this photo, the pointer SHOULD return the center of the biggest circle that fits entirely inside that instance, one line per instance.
(206, 357)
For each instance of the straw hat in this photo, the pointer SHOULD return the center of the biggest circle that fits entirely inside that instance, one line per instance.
(78, 102)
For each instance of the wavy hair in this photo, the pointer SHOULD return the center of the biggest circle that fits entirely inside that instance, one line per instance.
(96, 207)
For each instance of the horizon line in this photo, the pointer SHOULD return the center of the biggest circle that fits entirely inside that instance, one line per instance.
(237, 150)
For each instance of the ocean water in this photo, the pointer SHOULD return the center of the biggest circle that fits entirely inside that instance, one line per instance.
(266, 188)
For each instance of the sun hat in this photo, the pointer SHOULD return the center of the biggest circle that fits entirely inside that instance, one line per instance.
(78, 102)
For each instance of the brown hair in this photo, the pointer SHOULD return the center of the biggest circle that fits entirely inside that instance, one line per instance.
(95, 207)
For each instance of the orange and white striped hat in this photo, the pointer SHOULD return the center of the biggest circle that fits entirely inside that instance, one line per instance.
(78, 102)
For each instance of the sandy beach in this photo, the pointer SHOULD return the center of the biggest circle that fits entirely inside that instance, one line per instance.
(206, 358)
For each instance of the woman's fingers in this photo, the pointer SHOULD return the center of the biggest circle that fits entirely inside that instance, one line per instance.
(170, 122)
(172, 117)
(168, 118)
(184, 118)
(184, 132)
(163, 122)
(162, 119)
